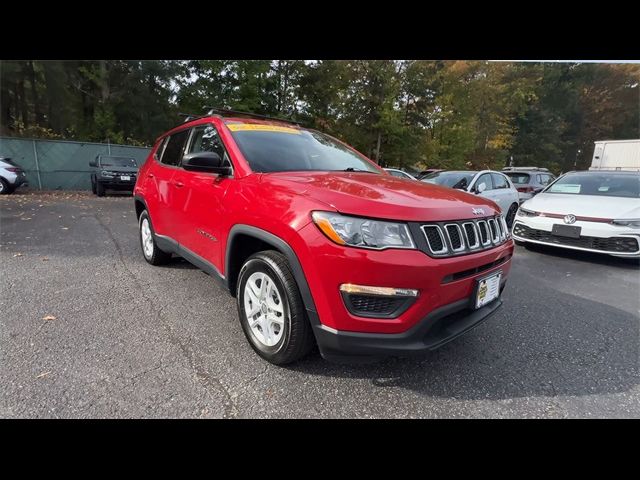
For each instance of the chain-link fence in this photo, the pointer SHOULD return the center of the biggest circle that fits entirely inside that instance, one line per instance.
(61, 164)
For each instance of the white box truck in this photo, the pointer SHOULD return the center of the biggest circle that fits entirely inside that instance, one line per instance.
(616, 155)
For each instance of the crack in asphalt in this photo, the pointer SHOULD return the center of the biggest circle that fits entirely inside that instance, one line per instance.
(205, 378)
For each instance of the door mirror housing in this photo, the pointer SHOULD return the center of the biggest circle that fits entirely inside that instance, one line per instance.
(93, 164)
(481, 188)
(207, 162)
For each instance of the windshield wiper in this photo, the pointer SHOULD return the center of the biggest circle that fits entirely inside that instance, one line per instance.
(352, 169)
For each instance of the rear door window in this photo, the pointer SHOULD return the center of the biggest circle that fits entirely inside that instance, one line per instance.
(174, 148)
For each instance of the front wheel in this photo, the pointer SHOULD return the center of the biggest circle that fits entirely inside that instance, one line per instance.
(100, 189)
(271, 310)
(511, 215)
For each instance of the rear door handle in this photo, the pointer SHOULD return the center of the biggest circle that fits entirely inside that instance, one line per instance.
(178, 184)
(150, 175)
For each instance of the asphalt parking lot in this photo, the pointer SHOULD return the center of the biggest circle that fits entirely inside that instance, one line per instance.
(89, 329)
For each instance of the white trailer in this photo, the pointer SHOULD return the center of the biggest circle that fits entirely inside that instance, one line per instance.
(616, 155)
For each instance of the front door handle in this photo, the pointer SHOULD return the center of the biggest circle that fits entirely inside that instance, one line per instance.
(150, 175)
(178, 184)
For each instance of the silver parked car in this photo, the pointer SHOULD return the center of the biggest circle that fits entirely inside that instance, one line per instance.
(12, 176)
(400, 173)
(495, 186)
(529, 180)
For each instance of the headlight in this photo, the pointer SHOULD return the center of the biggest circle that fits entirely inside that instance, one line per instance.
(522, 212)
(630, 222)
(363, 232)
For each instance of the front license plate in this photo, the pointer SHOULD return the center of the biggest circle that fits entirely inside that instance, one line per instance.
(125, 178)
(488, 289)
(570, 231)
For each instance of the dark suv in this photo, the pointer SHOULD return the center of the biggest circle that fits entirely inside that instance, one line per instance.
(318, 243)
(113, 173)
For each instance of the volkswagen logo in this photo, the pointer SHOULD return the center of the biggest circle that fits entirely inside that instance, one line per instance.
(477, 211)
(569, 219)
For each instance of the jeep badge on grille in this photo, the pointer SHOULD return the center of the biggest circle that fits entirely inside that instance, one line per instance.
(477, 211)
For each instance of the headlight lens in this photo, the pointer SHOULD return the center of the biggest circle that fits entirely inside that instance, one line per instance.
(522, 212)
(363, 232)
(631, 222)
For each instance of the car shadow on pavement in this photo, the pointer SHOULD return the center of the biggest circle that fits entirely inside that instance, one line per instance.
(597, 258)
(515, 356)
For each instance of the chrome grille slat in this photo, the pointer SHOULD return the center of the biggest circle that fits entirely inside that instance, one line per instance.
(445, 239)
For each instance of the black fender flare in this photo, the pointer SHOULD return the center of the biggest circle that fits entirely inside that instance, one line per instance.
(284, 248)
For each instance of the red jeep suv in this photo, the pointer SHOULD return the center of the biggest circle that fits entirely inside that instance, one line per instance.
(318, 243)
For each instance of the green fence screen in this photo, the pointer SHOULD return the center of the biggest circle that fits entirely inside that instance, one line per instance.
(61, 165)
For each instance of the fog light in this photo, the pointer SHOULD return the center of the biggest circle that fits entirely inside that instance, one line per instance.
(387, 291)
(376, 302)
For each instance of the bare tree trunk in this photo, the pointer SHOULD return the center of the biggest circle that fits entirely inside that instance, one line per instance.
(34, 93)
(104, 81)
(22, 100)
(378, 146)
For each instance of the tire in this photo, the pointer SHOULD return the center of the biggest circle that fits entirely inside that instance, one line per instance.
(152, 254)
(511, 215)
(293, 338)
(93, 187)
(5, 188)
(100, 189)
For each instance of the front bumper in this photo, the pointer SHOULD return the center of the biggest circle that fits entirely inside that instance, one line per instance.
(117, 184)
(439, 281)
(436, 329)
(594, 236)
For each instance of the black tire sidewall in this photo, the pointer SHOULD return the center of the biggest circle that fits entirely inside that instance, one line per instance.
(259, 264)
(5, 187)
(513, 219)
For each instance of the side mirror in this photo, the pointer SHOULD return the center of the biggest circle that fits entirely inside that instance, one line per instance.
(208, 162)
(93, 164)
(481, 188)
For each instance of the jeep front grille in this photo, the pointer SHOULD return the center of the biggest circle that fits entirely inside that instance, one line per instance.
(445, 239)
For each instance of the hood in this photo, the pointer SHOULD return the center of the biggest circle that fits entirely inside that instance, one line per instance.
(595, 206)
(381, 196)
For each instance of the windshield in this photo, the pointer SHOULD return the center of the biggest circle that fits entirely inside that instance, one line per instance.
(450, 179)
(117, 162)
(600, 184)
(270, 148)
(519, 178)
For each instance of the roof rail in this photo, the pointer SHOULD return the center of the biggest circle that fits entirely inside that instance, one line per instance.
(190, 116)
(226, 111)
(539, 169)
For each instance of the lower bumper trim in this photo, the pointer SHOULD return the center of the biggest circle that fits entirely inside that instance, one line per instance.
(436, 329)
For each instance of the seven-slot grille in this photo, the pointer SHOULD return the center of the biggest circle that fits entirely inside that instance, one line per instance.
(446, 239)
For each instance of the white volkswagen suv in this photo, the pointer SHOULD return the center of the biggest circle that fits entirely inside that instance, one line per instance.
(594, 211)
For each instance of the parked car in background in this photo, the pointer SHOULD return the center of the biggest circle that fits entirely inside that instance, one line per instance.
(590, 211)
(616, 155)
(400, 174)
(495, 186)
(426, 172)
(113, 173)
(12, 176)
(529, 180)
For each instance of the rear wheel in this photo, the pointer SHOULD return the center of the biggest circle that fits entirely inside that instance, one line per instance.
(511, 215)
(150, 250)
(271, 310)
(5, 188)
